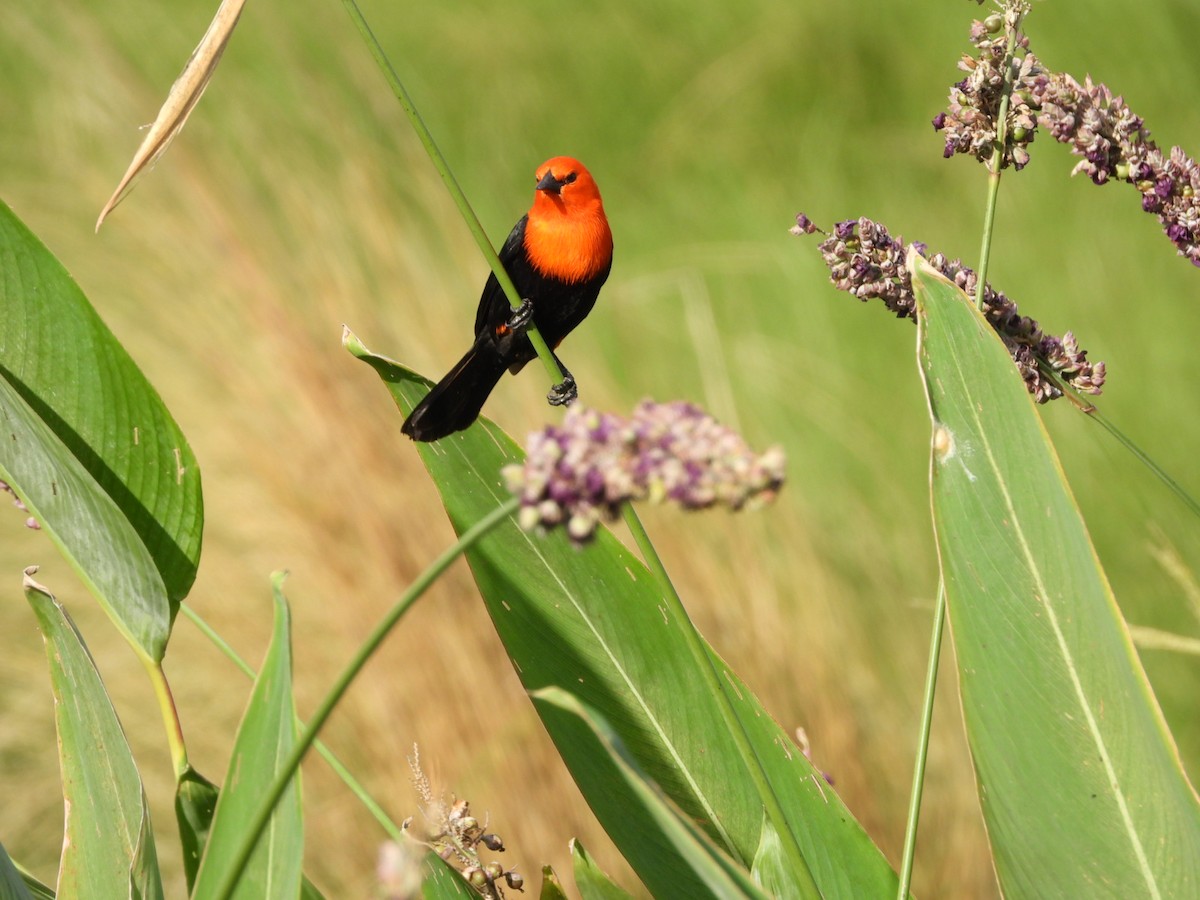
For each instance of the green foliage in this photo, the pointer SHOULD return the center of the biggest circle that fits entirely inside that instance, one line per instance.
(592, 619)
(444, 883)
(552, 888)
(590, 881)
(265, 737)
(91, 449)
(108, 850)
(1079, 781)
(195, 803)
(12, 885)
(710, 872)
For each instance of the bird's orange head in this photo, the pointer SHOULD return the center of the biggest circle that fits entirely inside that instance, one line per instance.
(567, 235)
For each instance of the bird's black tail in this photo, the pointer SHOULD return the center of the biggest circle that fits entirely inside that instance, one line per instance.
(455, 401)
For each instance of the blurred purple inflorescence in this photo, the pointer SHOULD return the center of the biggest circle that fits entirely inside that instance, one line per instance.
(584, 469)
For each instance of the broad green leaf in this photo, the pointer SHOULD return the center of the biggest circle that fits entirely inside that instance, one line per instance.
(591, 882)
(1081, 786)
(12, 883)
(591, 620)
(74, 405)
(552, 888)
(108, 850)
(715, 873)
(264, 739)
(37, 890)
(85, 523)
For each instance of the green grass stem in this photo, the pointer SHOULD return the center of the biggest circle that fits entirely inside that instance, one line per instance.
(460, 198)
(170, 715)
(289, 766)
(918, 781)
(996, 164)
(1013, 19)
(356, 787)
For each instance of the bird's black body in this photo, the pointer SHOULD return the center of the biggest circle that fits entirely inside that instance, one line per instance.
(558, 306)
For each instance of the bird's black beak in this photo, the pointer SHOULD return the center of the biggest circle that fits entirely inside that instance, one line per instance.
(550, 184)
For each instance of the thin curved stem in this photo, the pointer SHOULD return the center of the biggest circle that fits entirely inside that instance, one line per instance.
(1093, 413)
(995, 165)
(356, 787)
(291, 763)
(918, 782)
(456, 192)
(170, 715)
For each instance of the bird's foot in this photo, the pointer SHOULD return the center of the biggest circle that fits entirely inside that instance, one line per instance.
(564, 393)
(519, 321)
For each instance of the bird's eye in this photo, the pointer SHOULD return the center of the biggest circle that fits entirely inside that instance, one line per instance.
(570, 179)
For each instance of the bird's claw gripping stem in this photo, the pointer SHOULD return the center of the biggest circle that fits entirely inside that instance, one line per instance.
(521, 316)
(564, 393)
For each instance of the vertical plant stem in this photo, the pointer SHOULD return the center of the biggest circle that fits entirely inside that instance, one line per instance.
(170, 715)
(356, 787)
(1012, 24)
(443, 168)
(292, 762)
(721, 692)
(989, 217)
(918, 782)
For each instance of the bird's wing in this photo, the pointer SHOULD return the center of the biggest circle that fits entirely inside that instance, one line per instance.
(493, 304)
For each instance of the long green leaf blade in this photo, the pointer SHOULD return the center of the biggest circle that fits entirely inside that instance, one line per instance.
(711, 868)
(1082, 789)
(265, 737)
(109, 849)
(72, 374)
(591, 619)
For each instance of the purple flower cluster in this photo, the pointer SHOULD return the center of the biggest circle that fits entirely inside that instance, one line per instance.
(583, 470)
(1111, 140)
(866, 261)
(1114, 143)
(972, 121)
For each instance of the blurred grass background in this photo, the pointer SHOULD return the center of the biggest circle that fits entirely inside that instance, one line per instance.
(297, 199)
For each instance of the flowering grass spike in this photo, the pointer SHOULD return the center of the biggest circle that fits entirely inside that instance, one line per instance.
(583, 470)
(1115, 144)
(867, 262)
(972, 123)
(1112, 141)
(454, 834)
